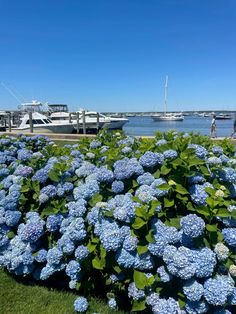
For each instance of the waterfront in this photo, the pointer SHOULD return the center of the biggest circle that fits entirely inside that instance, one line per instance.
(147, 127)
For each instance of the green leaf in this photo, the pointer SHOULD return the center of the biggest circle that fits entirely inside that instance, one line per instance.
(168, 203)
(150, 238)
(142, 249)
(140, 279)
(53, 175)
(141, 212)
(134, 183)
(165, 170)
(173, 222)
(164, 186)
(204, 170)
(10, 234)
(95, 199)
(211, 228)
(138, 223)
(223, 212)
(91, 247)
(98, 263)
(180, 189)
(157, 174)
(47, 211)
(138, 306)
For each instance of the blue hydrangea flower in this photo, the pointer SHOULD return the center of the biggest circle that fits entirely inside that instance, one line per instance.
(200, 151)
(12, 217)
(163, 306)
(150, 159)
(145, 179)
(110, 236)
(24, 154)
(31, 232)
(95, 144)
(54, 256)
(221, 251)
(164, 275)
(180, 264)
(130, 243)
(86, 191)
(134, 292)
(81, 252)
(125, 259)
(41, 256)
(117, 186)
(126, 168)
(217, 290)
(49, 190)
(112, 304)
(161, 142)
(170, 154)
(197, 178)
(78, 208)
(72, 269)
(81, 304)
(205, 262)
(196, 307)
(23, 171)
(193, 290)
(214, 160)
(229, 235)
(126, 150)
(86, 169)
(228, 174)
(145, 193)
(144, 262)
(192, 225)
(198, 193)
(217, 150)
(53, 222)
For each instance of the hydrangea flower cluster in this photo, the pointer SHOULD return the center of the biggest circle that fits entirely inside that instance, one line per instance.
(137, 221)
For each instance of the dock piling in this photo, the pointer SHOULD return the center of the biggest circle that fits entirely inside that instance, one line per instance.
(77, 120)
(31, 123)
(98, 124)
(9, 122)
(84, 122)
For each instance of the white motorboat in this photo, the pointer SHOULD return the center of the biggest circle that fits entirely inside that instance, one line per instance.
(167, 116)
(43, 124)
(91, 120)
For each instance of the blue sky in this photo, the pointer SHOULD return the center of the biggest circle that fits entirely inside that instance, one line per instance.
(113, 55)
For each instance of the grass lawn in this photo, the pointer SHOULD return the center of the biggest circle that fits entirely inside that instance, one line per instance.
(19, 298)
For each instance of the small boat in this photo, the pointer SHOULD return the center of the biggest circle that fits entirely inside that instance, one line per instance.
(43, 124)
(223, 116)
(167, 116)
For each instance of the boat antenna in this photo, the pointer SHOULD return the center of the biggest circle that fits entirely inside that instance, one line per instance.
(11, 92)
(166, 87)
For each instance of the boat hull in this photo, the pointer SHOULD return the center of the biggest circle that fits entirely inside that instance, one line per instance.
(166, 118)
(116, 124)
(63, 129)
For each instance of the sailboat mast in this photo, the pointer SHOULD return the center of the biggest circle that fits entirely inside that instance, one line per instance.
(166, 86)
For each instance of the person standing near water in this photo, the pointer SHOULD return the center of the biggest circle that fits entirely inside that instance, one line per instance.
(234, 129)
(213, 126)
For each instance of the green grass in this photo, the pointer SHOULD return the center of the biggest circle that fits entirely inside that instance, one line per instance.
(17, 297)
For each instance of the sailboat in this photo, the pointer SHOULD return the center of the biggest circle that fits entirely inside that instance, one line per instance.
(167, 116)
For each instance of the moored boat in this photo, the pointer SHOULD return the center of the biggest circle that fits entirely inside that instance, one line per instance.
(42, 124)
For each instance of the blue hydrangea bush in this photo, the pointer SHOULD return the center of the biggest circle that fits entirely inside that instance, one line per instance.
(149, 224)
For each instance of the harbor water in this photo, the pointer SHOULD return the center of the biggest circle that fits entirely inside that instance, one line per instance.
(146, 126)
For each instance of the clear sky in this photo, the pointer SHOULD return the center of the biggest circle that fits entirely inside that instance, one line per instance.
(113, 55)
